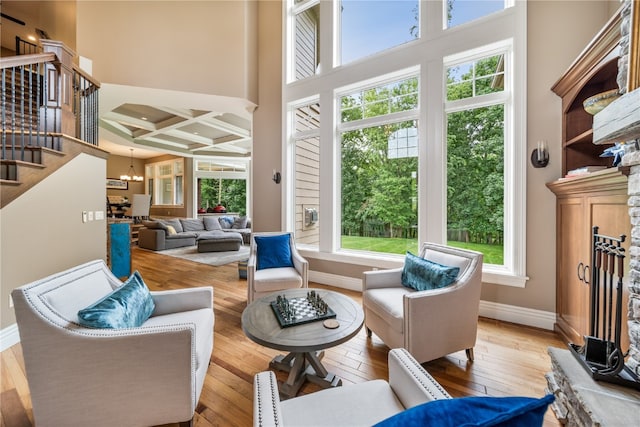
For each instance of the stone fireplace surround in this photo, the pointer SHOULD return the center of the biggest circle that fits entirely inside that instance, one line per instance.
(581, 401)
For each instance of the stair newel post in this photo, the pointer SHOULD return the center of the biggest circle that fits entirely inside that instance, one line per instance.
(59, 101)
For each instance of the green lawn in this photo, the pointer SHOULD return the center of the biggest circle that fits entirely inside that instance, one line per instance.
(493, 254)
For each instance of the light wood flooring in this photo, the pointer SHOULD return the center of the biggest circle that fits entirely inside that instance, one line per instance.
(509, 359)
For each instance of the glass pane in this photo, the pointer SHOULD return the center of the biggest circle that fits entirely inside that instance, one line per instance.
(164, 169)
(178, 167)
(371, 26)
(475, 78)
(166, 191)
(307, 191)
(463, 11)
(307, 117)
(475, 181)
(230, 193)
(179, 191)
(393, 97)
(379, 189)
(307, 38)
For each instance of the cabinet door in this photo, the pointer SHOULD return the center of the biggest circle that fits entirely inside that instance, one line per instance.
(611, 214)
(573, 249)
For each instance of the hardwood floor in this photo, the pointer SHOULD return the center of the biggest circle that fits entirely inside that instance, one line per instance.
(509, 359)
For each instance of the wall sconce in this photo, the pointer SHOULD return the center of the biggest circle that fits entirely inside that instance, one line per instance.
(540, 156)
(276, 177)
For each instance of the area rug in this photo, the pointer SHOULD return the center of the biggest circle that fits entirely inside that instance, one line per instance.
(211, 258)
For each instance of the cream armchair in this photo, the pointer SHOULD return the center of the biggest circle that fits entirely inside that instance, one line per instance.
(143, 376)
(362, 404)
(266, 281)
(429, 324)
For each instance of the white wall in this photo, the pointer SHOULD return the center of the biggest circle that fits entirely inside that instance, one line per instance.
(42, 231)
(203, 47)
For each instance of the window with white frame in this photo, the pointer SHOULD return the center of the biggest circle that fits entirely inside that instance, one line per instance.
(476, 105)
(379, 180)
(165, 182)
(404, 131)
(306, 172)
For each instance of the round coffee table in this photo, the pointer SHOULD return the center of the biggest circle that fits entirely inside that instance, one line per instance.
(304, 342)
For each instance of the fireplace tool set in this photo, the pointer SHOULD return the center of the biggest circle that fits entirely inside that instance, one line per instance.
(601, 355)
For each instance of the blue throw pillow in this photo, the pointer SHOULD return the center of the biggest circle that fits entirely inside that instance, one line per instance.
(421, 274)
(129, 306)
(474, 412)
(273, 251)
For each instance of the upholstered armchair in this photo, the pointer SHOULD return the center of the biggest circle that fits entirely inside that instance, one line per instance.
(274, 264)
(362, 404)
(428, 323)
(139, 376)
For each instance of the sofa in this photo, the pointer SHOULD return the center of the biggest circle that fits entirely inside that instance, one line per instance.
(161, 234)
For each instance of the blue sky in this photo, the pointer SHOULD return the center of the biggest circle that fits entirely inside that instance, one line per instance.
(370, 26)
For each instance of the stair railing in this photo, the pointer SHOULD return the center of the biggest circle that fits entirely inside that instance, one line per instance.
(43, 97)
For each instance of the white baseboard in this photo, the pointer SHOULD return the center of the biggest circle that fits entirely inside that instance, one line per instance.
(520, 315)
(343, 282)
(9, 336)
(507, 313)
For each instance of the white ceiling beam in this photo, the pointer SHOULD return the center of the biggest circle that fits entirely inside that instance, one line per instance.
(128, 120)
(227, 127)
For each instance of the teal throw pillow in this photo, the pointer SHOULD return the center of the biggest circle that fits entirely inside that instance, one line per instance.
(421, 274)
(474, 412)
(273, 251)
(129, 306)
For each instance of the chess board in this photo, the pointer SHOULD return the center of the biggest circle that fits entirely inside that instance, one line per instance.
(305, 313)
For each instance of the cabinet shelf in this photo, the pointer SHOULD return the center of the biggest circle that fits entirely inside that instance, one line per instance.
(586, 136)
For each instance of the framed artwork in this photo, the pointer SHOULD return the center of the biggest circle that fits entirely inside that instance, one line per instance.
(117, 184)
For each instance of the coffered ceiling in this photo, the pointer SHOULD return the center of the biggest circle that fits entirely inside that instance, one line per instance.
(153, 121)
(181, 131)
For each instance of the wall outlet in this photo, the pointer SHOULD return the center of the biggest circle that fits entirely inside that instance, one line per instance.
(99, 215)
(90, 215)
(10, 301)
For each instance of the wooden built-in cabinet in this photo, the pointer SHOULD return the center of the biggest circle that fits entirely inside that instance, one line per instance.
(593, 72)
(599, 199)
(596, 199)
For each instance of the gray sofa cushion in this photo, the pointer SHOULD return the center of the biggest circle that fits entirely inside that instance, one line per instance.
(192, 224)
(226, 222)
(175, 223)
(239, 222)
(155, 225)
(211, 223)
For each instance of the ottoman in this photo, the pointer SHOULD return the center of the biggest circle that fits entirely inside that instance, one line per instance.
(220, 243)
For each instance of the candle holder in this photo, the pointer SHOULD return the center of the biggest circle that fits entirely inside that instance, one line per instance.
(540, 156)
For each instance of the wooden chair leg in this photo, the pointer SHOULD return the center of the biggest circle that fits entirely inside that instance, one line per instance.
(469, 352)
(368, 332)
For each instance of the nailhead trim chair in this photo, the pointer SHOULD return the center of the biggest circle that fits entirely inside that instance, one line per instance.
(431, 323)
(266, 281)
(141, 376)
(362, 404)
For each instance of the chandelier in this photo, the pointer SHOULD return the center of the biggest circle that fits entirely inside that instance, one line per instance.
(131, 174)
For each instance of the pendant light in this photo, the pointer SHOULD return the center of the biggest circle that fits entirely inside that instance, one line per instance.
(131, 176)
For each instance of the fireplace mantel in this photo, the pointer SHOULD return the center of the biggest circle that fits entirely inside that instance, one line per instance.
(619, 121)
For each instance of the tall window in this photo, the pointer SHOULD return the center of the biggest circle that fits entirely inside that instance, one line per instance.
(369, 27)
(422, 131)
(379, 164)
(306, 154)
(307, 38)
(463, 11)
(165, 181)
(475, 155)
